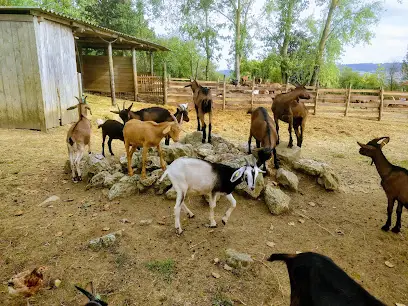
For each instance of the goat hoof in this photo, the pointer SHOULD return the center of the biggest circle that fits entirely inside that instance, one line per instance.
(80, 178)
(179, 231)
(395, 230)
(75, 180)
(203, 140)
(385, 228)
(191, 216)
(224, 221)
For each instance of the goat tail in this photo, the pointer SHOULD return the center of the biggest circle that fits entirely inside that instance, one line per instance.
(281, 257)
(163, 176)
(70, 141)
(100, 122)
(206, 106)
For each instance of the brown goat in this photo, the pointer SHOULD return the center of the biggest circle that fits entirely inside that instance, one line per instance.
(394, 179)
(78, 136)
(264, 132)
(202, 98)
(148, 134)
(288, 108)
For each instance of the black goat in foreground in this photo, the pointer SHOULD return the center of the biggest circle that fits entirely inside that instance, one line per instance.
(394, 179)
(315, 280)
(111, 128)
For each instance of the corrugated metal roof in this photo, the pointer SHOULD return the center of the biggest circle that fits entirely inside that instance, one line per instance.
(130, 38)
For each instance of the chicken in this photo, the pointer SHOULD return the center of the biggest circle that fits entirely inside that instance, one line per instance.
(27, 283)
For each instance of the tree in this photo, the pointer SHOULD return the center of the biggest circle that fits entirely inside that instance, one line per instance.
(286, 39)
(404, 67)
(237, 14)
(392, 73)
(345, 22)
(198, 26)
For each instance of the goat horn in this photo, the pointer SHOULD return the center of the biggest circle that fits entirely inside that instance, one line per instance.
(174, 118)
(78, 99)
(181, 119)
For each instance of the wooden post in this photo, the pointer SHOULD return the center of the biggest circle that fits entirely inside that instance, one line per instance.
(224, 92)
(151, 63)
(380, 112)
(252, 94)
(134, 66)
(111, 74)
(316, 97)
(79, 85)
(347, 101)
(164, 83)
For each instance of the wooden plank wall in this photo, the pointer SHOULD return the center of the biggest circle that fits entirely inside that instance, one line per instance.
(96, 73)
(20, 87)
(56, 54)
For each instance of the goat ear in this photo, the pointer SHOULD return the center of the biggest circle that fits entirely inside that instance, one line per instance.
(167, 130)
(361, 144)
(87, 107)
(72, 107)
(237, 174)
(259, 169)
(115, 112)
(189, 85)
(130, 107)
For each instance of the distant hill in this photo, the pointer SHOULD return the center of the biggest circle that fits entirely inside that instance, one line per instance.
(368, 67)
(227, 72)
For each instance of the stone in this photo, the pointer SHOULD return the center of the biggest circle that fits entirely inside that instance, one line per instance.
(270, 244)
(243, 189)
(112, 179)
(104, 241)
(238, 260)
(227, 267)
(171, 194)
(238, 162)
(389, 264)
(328, 179)
(125, 187)
(276, 200)
(287, 179)
(177, 150)
(309, 166)
(52, 198)
(213, 158)
(92, 164)
(151, 178)
(313, 204)
(18, 213)
(163, 186)
(215, 275)
(145, 222)
(98, 180)
(216, 260)
(203, 152)
(193, 138)
(288, 155)
(221, 148)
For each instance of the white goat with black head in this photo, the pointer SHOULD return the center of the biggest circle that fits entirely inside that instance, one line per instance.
(205, 178)
(79, 136)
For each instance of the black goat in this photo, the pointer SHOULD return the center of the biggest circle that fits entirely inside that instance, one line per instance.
(315, 280)
(93, 301)
(155, 113)
(394, 179)
(113, 129)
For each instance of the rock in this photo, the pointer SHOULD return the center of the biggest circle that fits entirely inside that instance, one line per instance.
(301, 221)
(270, 244)
(163, 186)
(313, 204)
(216, 260)
(238, 260)
(193, 138)
(125, 187)
(243, 189)
(227, 267)
(238, 162)
(399, 304)
(203, 152)
(18, 213)
(389, 264)
(287, 179)
(171, 194)
(177, 150)
(217, 140)
(145, 222)
(288, 155)
(276, 200)
(92, 164)
(328, 179)
(98, 180)
(151, 178)
(112, 179)
(152, 163)
(291, 223)
(215, 275)
(309, 166)
(221, 148)
(213, 158)
(104, 241)
(105, 229)
(52, 198)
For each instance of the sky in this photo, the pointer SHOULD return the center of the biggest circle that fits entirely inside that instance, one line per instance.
(389, 44)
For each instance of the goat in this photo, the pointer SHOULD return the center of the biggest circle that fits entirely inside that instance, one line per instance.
(315, 280)
(78, 136)
(111, 128)
(394, 179)
(148, 134)
(156, 114)
(234, 82)
(288, 108)
(264, 132)
(202, 98)
(206, 178)
(93, 301)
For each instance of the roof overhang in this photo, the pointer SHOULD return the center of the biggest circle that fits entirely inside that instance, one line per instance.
(87, 34)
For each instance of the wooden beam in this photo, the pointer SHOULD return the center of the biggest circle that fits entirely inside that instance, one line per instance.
(13, 17)
(151, 63)
(252, 94)
(164, 83)
(134, 66)
(347, 101)
(111, 74)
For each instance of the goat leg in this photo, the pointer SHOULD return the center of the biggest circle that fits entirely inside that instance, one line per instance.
(162, 164)
(290, 145)
(229, 211)
(209, 126)
(198, 118)
(167, 140)
(277, 129)
(258, 143)
(397, 227)
(275, 159)
(249, 143)
(390, 207)
(110, 146)
(103, 144)
(212, 202)
(204, 133)
(144, 158)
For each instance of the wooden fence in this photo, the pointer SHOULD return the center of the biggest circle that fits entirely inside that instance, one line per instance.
(359, 103)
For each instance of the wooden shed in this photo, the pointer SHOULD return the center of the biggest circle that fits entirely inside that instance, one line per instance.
(38, 64)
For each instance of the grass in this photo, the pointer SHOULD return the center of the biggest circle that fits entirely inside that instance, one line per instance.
(164, 268)
(221, 300)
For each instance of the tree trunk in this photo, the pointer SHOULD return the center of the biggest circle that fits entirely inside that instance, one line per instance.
(322, 43)
(285, 45)
(238, 41)
(207, 47)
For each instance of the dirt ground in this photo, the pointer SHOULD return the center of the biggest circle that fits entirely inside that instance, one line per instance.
(31, 170)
